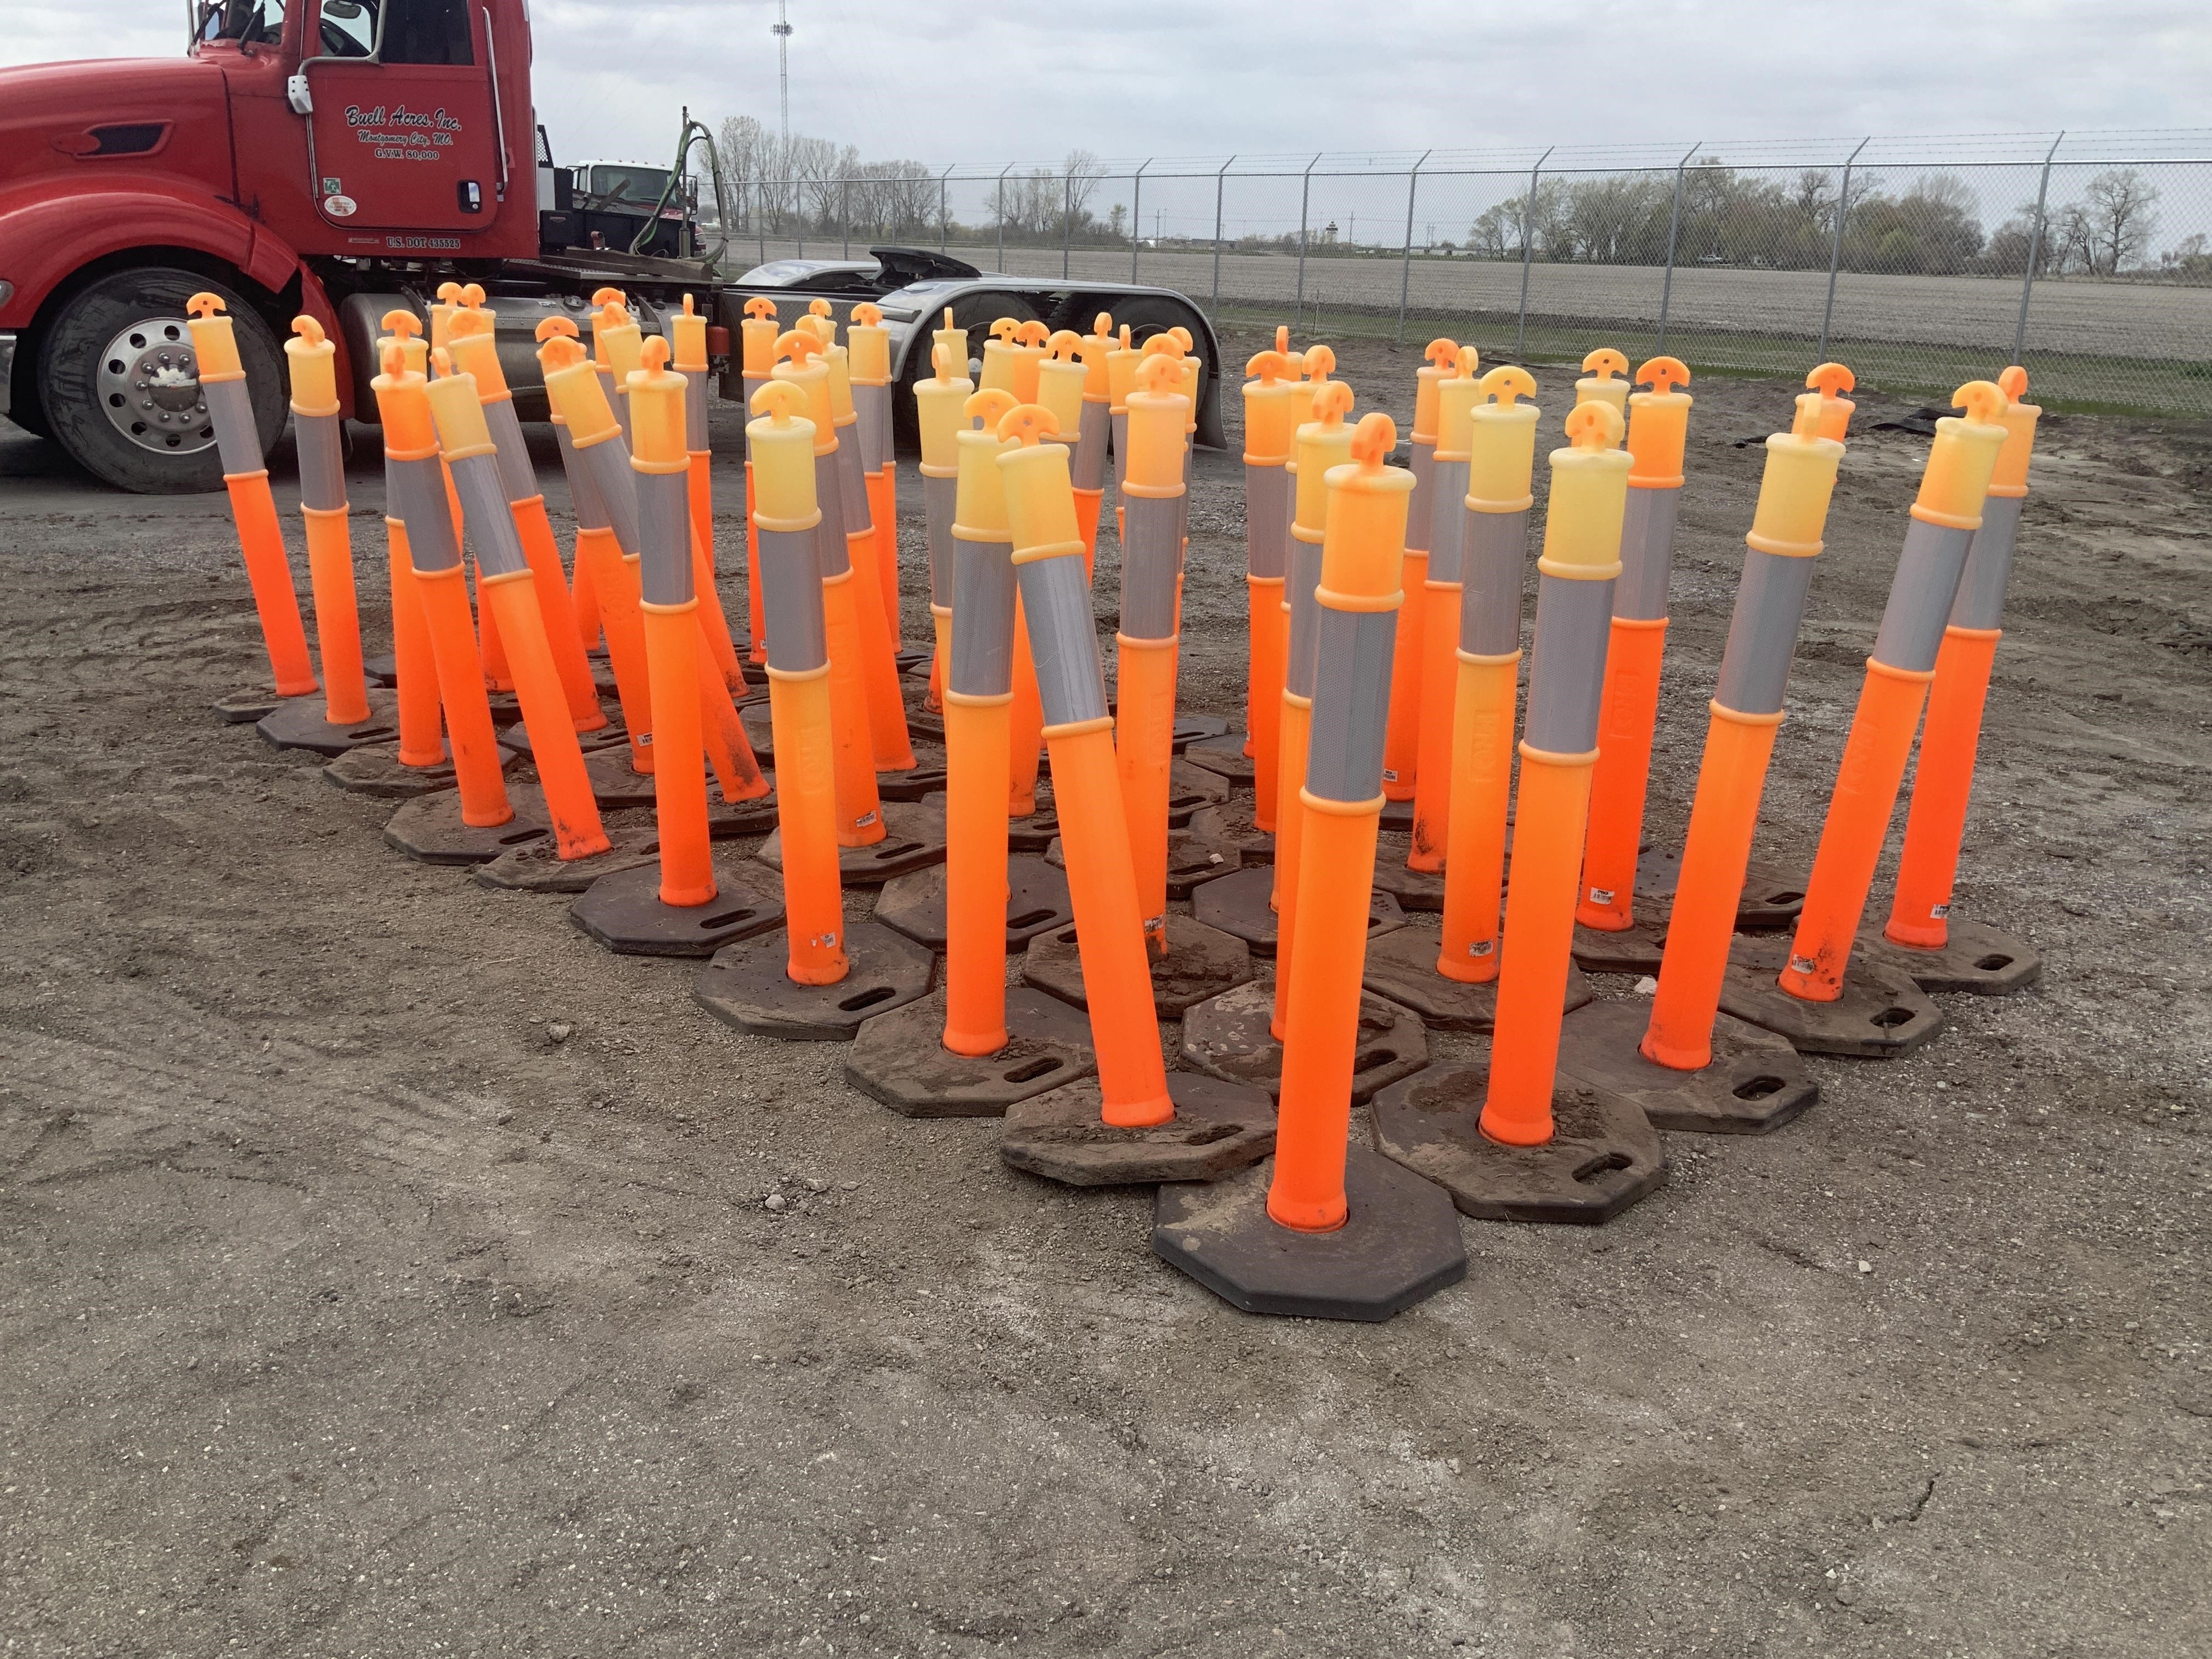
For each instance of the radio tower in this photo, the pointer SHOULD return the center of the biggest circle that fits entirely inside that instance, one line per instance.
(781, 29)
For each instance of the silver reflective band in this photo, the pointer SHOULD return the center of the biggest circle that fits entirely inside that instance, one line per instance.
(1770, 606)
(1298, 594)
(322, 462)
(1921, 595)
(230, 406)
(939, 498)
(1350, 703)
(1063, 640)
(1421, 462)
(1566, 670)
(583, 494)
(1089, 460)
(694, 411)
(1647, 554)
(1151, 549)
(1121, 424)
(1267, 498)
(873, 405)
(616, 485)
(664, 520)
(981, 663)
(1447, 523)
(483, 505)
(852, 488)
(417, 493)
(517, 476)
(1493, 564)
(791, 601)
(1981, 596)
(829, 534)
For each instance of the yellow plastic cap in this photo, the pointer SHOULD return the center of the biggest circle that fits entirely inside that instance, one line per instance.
(954, 341)
(574, 388)
(314, 357)
(1122, 371)
(1658, 424)
(1316, 362)
(1792, 514)
(1061, 381)
(1600, 387)
(442, 315)
(1589, 497)
(841, 384)
(1272, 403)
(1443, 364)
(1832, 381)
(1364, 547)
(1097, 345)
(402, 404)
(756, 335)
(979, 499)
(800, 362)
(474, 346)
(781, 441)
(2010, 477)
(1963, 459)
(1000, 354)
(938, 403)
(690, 356)
(1039, 495)
(1158, 413)
(1456, 401)
(402, 328)
(656, 412)
(1501, 460)
(1323, 442)
(458, 413)
(214, 343)
(624, 340)
(868, 346)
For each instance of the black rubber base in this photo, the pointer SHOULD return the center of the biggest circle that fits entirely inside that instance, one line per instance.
(928, 777)
(248, 705)
(1036, 832)
(1237, 905)
(1754, 1082)
(1636, 948)
(914, 839)
(430, 830)
(1770, 899)
(1414, 889)
(624, 912)
(383, 671)
(760, 731)
(1977, 958)
(1197, 728)
(1037, 901)
(1881, 1014)
(1402, 966)
(614, 781)
(734, 820)
(1397, 816)
(300, 723)
(1192, 862)
(1603, 1155)
(1191, 788)
(1229, 827)
(536, 866)
(1217, 1127)
(900, 1058)
(1227, 1036)
(1400, 1244)
(1224, 754)
(749, 985)
(375, 769)
(1201, 962)
(612, 735)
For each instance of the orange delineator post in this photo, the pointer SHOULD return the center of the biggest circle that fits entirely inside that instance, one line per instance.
(1044, 522)
(1272, 403)
(937, 401)
(418, 490)
(1950, 738)
(1440, 598)
(584, 601)
(868, 346)
(1095, 436)
(1746, 708)
(323, 508)
(1493, 555)
(787, 515)
(1658, 423)
(1363, 563)
(688, 359)
(1146, 643)
(757, 335)
(1402, 751)
(260, 538)
(1944, 516)
(1121, 360)
(860, 810)
(893, 750)
(422, 725)
(1574, 603)
(507, 587)
(1324, 444)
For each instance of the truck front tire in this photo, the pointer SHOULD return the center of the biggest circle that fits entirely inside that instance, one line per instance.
(119, 385)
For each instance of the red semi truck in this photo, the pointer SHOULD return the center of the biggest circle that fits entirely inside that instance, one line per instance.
(340, 158)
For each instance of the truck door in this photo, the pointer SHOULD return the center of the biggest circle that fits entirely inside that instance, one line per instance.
(404, 132)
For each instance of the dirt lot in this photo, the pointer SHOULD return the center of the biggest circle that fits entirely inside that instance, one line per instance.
(387, 1269)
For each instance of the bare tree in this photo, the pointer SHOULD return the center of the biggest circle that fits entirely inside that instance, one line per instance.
(1083, 175)
(2117, 207)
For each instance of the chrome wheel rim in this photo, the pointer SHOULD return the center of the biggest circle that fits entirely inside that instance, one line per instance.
(150, 387)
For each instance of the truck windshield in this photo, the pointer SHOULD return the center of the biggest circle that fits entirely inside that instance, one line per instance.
(248, 22)
(641, 186)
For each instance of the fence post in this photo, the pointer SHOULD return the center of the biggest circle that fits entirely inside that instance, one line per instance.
(1066, 223)
(1674, 229)
(1836, 247)
(760, 214)
(1213, 305)
(1406, 269)
(1305, 196)
(1003, 172)
(2034, 248)
(1528, 250)
(944, 210)
(845, 212)
(1137, 215)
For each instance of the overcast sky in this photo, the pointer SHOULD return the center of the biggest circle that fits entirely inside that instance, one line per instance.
(992, 81)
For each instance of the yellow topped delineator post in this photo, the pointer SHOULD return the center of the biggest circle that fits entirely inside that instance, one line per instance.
(938, 400)
(1401, 752)
(1599, 386)
(312, 358)
(1000, 354)
(879, 668)
(1028, 356)
(757, 335)
(1440, 601)
(689, 357)
(1272, 403)
(1831, 381)
(868, 363)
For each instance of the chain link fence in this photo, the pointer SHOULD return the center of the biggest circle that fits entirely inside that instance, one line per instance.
(1922, 263)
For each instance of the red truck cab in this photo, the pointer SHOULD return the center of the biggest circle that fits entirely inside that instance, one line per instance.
(296, 141)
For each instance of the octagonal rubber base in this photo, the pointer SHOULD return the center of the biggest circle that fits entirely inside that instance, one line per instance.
(748, 985)
(1881, 1014)
(1636, 948)
(1223, 755)
(1229, 827)
(536, 866)
(1192, 862)
(900, 1058)
(1769, 900)
(1400, 1244)
(1191, 788)
(429, 828)
(733, 820)
(1217, 1127)
(1197, 728)
(1414, 889)
(914, 839)
(1402, 966)
(1037, 901)
(1237, 905)
(614, 781)
(1227, 1036)
(1201, 962)
(624, 913)
(1035, 832)
(376, 769)
(1603, 1155)
(1976, 958)
(1753, 1083)
(381, 670)
(926, 778)
(612, 735)
(1397, 817)
(760, 731)
(300, 723)
(248, 704)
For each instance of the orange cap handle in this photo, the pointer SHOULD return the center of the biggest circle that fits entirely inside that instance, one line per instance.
(800, 345)
(990, 406)
(1065, 345)
(1026, 423)
(1158, 374)
(1320, 363)
(1663, 374)
(761, 308)
(1604, 363)
(1507, 382)
(1332, 402)
(867, 315)
(1373, 440)
(1271, 366)
(1004, 330)
(1832, 380)
(1443, 352)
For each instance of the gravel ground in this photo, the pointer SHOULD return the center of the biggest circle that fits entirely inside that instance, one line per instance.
(389, 1270)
